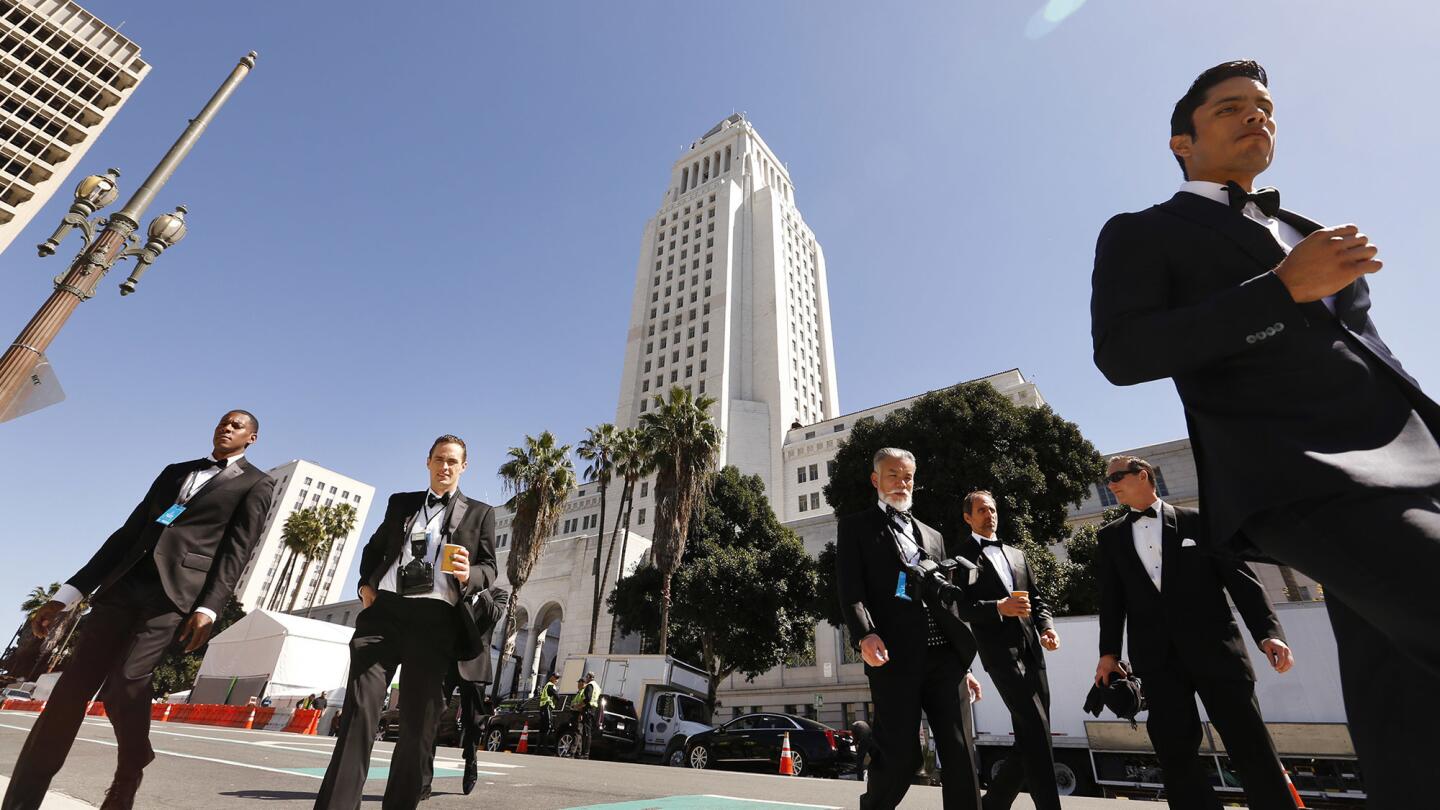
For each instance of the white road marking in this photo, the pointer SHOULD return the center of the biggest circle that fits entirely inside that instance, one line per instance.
(767, 801)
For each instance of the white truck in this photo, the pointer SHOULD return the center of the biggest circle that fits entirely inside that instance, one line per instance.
(1104, 756)
(669, 697)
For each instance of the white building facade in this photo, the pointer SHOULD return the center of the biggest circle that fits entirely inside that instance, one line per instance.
(303, 484)
(64, 74)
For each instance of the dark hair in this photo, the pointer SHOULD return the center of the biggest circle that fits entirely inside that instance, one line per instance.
(1136, 464)
(450, 438)
(254, 423)
(970, 499)
(1182, 120)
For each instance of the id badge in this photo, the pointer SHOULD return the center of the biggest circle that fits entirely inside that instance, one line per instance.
(170, 515)
(900, 589)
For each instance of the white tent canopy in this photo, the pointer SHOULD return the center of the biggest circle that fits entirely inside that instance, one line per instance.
(293, 655)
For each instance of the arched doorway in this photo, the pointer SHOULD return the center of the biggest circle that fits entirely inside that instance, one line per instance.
(544, 646)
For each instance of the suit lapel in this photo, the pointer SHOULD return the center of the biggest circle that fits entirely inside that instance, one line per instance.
(1124, 539)
(1169, 549)
(458, 504)
(235, 470)
(1250, 236)
(1017, 567)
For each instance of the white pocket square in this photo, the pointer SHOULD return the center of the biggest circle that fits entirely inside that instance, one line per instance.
(1187, 543)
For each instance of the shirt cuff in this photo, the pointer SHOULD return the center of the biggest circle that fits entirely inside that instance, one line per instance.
(207, 612)
(68, 595)
(1272, 638)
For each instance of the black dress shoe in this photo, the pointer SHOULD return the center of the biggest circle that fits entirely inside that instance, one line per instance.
(121, 795)
(468, 784)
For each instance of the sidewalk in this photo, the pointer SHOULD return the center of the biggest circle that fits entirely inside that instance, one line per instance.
(53, 800)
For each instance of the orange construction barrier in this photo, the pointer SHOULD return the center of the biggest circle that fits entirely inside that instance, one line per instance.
(524, 746)
(1294, 794)
(787, 760)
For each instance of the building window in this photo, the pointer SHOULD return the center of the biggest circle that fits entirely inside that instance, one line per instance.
(307, 481)
(814, 500)
(830, 469)
(643, 403)
(800, 474)
(703, 364)
(809, 434)
(645, 386)
(1160, 488)
(644, 489)
(689, 371)
(839, 427)
(814, 472)
(803, 501)
(704, 327)
(1107, 499)
(345, 496)
(704, 345)
(357, 499)
(641, 519)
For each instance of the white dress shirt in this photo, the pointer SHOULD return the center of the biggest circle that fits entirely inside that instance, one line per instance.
(1146, 532)
(68, 594)
(446, 589)
(1284, 232)
(998, 560)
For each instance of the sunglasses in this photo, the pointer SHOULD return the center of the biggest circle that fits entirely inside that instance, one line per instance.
(1117, 477)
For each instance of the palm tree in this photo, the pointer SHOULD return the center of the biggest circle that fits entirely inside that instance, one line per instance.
(37, 598)
(320, 536)
(686, 443)
(339, 521)
(302, 530)
(598, 448)
(539, 477)
(632, 462)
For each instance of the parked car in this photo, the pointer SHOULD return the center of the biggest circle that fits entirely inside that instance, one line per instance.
(755, 740)
(617, 734)
(447, 729)
(15, 694)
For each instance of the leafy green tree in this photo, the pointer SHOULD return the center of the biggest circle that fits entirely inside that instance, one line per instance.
(303, 529)
(338, 521)
(540, 476)
(176, 671)
(598, 447)
(633, 461)
(684, 442)
(744, 599)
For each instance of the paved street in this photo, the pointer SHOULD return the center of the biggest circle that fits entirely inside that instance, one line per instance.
(209, 768)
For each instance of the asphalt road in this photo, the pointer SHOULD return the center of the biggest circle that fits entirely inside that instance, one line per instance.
(208, 768)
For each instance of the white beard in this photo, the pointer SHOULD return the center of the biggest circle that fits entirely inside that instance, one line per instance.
(899, 502)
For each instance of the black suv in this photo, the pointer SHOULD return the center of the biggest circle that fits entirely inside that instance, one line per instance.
(617, 734)
(447, 728)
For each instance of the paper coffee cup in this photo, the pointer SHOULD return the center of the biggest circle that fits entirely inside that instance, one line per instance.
(447, 557)
(1020, 594)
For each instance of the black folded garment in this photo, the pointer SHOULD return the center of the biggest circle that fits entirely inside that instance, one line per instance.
(1123, 695)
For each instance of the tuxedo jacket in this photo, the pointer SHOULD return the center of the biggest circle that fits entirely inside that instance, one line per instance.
(487, 614)
(202, 553)
(1284, 401)
(1004, 640)
(1188, 617)
(868, 570)
(470, 523)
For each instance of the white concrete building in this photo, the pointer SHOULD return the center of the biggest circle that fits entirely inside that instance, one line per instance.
(64, 74)
(731, 301)
(302, 484)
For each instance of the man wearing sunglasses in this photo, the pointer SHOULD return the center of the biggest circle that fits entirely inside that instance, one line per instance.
(1155, 576)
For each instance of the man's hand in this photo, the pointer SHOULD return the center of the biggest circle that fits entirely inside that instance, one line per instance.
(872, 649)
(1050, 640)
(1109, 665)
(197, 629)
(1326, 262)
(1279, 654)
(44, 618)
(973, 687)
(461, 561)
(1014, 606)
(367, 595)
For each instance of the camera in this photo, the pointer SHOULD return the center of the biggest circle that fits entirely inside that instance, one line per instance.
(936, 582)
(418, 575)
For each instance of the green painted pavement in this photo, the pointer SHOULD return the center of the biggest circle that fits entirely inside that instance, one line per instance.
(706, 802)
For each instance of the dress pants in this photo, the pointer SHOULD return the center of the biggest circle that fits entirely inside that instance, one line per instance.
(418, 635)
(1026, 692)
(584, 728)
(130, 626)
(933, 681)
(1175, 731)
(1375, 552)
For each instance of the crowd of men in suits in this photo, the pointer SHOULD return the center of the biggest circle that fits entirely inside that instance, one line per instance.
(1315, 449)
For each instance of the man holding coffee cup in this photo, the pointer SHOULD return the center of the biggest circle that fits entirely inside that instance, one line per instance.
(1010, 651)
(431, 551)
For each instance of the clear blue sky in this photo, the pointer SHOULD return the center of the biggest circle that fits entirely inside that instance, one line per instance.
(407, 225)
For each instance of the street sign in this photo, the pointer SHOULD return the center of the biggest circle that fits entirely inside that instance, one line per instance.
(41, 390)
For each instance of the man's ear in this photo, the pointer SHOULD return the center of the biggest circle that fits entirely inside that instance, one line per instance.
(1180, 145)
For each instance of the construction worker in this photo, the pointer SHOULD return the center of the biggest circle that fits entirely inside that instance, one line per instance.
(547, 704)
(584, 704)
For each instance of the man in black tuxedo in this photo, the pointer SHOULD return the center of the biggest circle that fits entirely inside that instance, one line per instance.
(1010, 640)
(174, 564)
(471, 677)
(1156, 576)
(414, 617)
(917, 654)
(1314, 446)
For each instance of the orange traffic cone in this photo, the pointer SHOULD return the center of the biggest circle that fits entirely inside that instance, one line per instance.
(524, 746)
(787, 761)
(1294, 794)
(165, 718)
(250, 721)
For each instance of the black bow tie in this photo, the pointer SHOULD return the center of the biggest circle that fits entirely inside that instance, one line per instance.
(892, 512)
(1266, 199)
(431, 499)
(984, 544)
(1136, 514)
(220, 465)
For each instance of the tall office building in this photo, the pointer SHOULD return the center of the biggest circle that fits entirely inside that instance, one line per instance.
(64, 75)
(298, 485)
(731, 301)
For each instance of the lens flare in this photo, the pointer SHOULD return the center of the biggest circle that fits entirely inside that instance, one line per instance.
(1048, 17)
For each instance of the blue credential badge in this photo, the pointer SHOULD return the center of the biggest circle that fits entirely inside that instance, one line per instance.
(174, 512)
(900, 589)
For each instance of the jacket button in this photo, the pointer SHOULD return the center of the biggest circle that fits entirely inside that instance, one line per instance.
(1279, 326)
(1270, 331)
(1249, 338)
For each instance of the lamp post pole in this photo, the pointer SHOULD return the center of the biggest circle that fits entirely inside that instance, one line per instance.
(112, 244)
